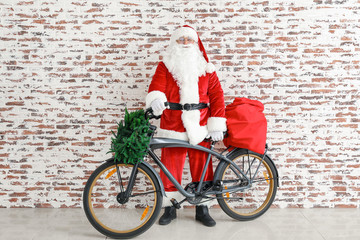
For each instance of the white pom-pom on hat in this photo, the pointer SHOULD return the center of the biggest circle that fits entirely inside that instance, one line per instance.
(210, 68)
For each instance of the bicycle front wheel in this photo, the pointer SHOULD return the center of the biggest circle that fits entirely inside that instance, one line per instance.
(255, 200)
(113, 215)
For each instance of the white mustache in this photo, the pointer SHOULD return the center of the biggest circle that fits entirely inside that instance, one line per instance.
(185, 46)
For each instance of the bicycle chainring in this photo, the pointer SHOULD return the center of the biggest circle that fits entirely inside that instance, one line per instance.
(192, 187)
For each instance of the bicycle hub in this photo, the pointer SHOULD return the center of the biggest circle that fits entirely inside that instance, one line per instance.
(121, 198)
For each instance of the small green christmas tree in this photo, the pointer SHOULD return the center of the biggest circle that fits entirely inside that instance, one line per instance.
(132, 138)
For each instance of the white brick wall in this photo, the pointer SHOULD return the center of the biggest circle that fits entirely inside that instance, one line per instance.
(68, 69)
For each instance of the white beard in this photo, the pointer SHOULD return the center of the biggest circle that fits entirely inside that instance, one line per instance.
(186, 63)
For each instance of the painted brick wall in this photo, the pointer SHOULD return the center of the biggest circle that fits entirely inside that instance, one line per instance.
(68, 69)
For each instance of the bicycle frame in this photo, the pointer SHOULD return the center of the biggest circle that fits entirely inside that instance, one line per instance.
(138, 190)
(157, 143)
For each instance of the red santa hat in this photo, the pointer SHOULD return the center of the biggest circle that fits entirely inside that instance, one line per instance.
(187, 31)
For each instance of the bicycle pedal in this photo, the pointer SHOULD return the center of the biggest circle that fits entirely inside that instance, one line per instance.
(175, 203)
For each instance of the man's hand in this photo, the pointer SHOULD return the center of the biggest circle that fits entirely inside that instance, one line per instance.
(216, 136)
(158, 106)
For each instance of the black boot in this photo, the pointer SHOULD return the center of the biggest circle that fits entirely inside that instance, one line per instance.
(169, 214)
(202, 215)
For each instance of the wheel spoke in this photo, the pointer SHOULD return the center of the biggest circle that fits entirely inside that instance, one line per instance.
(112, 213)
(254, 199)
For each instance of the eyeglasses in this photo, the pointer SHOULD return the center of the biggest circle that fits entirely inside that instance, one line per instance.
(185, 40)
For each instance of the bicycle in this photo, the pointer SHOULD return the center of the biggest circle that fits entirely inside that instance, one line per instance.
(124, 200)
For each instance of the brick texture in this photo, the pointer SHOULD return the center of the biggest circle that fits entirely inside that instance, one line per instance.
(69, 68)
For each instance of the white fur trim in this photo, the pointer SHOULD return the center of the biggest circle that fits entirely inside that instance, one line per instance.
(195, 136)
(189, 93)
(170, 195)
(172, 134)
(184, 32)
(152, 96)
(216, 124)
(210, 68)
(189, 90)
(195, 132)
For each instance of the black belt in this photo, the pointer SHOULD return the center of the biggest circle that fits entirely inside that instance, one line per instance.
(187, 106)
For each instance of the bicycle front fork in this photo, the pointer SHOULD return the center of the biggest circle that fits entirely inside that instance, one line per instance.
(124, 195)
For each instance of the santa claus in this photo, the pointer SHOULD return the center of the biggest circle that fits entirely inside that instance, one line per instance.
(186, 80)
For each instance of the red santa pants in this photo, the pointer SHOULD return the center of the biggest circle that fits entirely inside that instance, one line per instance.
(174, 160)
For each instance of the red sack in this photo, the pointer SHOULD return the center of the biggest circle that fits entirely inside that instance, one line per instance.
(246, 125)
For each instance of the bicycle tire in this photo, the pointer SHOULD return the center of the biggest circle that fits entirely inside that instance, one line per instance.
(242, 205)
(124, 219)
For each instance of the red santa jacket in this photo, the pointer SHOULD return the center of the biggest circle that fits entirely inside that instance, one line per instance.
(194, 125)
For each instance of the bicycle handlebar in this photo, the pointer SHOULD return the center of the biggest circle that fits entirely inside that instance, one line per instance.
(149, 113)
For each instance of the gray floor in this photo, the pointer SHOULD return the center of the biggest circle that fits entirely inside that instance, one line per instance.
(276, 224)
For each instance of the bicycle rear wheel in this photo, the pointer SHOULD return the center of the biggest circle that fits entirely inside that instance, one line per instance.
(112, 216)
(254, 201)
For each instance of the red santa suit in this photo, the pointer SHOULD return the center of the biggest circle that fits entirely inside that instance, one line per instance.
(193, 125)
